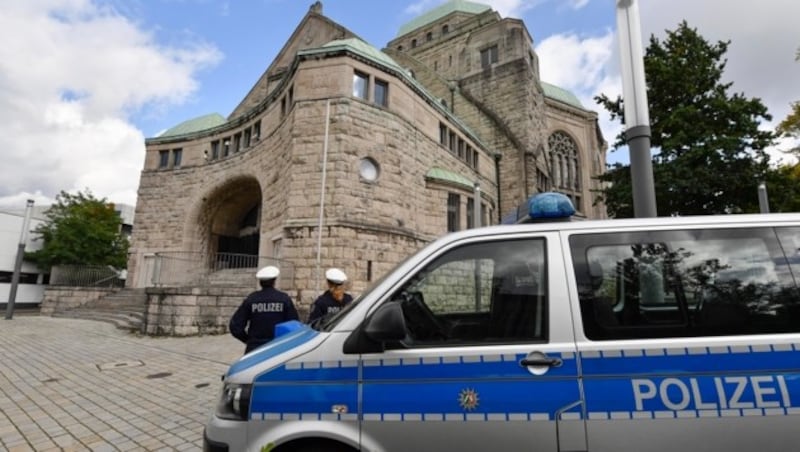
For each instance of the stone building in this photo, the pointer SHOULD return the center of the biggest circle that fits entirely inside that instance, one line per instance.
(349, 156)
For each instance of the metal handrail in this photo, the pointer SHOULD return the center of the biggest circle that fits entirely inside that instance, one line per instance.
(181, 268)
(85, 276)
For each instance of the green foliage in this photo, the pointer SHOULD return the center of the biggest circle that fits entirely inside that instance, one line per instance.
(791, 125)
(710, 153)
(783, 188)
(81, 230)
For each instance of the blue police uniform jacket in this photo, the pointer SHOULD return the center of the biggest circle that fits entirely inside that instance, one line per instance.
(254, 321)
(325, 304)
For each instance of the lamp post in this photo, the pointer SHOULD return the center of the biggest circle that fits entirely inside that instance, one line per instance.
(23, 237)
(637, 116)
(476, 211)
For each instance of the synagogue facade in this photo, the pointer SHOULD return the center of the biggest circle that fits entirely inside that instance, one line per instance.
(346, 155)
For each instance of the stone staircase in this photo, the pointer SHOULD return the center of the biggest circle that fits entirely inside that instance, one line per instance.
(125, 309)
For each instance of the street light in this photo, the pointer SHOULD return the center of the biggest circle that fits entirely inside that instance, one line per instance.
(637, 116)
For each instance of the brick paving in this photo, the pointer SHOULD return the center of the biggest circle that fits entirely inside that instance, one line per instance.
(80, 385)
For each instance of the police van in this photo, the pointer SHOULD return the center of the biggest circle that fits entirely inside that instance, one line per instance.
(657, 334)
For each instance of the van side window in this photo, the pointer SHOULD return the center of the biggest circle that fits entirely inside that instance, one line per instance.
(710, 282)
(490, 292)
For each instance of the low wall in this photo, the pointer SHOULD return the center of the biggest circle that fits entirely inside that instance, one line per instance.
(58, 298)
(191, 311)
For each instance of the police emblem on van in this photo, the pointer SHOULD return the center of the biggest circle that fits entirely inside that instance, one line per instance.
(468, 399)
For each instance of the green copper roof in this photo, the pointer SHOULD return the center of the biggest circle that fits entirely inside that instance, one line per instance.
(195, 125)
(448, 176)
(441, 11)
(357, 46)
(562, 95)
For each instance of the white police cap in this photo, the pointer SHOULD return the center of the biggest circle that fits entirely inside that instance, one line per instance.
(268, 272)
(335, 276)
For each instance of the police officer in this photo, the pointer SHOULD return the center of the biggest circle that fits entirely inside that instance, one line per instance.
(334, 299)
(254, 321)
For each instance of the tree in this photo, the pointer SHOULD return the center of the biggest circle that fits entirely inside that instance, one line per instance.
(783, 186)
(790, 126)
(81, 230)
(710, 153)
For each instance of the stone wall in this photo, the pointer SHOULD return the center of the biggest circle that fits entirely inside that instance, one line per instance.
(191, 311)
(60, 298)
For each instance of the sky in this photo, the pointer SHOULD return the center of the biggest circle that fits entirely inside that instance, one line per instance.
(83, 83)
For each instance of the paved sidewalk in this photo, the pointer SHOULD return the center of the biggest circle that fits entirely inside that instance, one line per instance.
(76, 385)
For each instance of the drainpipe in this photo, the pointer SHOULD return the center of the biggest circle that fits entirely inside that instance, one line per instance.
(322, 191)
(497, 158)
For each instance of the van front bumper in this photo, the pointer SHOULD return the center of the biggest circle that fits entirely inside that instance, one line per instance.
(222, 435)
(213, 446)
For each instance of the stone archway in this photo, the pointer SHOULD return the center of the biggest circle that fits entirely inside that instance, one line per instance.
(232, 217)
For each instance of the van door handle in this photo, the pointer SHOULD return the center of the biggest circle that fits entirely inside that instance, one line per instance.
(543, 361)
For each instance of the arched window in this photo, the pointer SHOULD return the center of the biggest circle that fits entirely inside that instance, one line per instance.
(565, 165)
(413, 43)
(445, 29)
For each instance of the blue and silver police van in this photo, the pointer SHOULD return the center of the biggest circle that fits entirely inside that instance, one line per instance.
(657, 334)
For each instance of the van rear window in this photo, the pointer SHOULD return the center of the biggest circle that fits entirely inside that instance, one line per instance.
(685, 283)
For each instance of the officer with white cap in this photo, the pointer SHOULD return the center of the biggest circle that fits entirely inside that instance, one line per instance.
(334, 299)
(254, 321)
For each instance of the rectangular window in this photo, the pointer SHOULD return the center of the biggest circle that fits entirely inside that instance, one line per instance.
(453, 142)
(246, 143)
(360, 84)
(685, 283)
(163, 159)
(470, 213)
(461, 148)
(453, 212)
(257, 131)
(214, 150)
(237, 142)
(479, 293)
(442, 134)
(488, 56)
(381, 93)
(177, 155)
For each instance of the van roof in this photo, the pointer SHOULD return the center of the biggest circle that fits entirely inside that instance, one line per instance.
(632, 223)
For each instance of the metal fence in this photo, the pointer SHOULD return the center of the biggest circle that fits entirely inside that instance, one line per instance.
(87, 276)
(182, 268)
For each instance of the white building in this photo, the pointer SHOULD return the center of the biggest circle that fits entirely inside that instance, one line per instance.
(32, 281)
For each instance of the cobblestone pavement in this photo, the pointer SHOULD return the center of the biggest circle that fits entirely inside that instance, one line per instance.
(78, 385)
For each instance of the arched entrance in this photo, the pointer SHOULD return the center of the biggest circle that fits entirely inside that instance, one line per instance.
(235, 224)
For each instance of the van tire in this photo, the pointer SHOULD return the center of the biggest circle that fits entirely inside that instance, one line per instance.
(314, 445)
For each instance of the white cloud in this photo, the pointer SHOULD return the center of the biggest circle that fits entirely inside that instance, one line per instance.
(72, 73)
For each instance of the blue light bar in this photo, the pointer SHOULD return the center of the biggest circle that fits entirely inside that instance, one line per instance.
(550, 205)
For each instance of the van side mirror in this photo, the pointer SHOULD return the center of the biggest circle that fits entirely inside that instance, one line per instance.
(387, 324)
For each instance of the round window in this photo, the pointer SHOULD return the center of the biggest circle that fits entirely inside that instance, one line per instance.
(368, 169)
